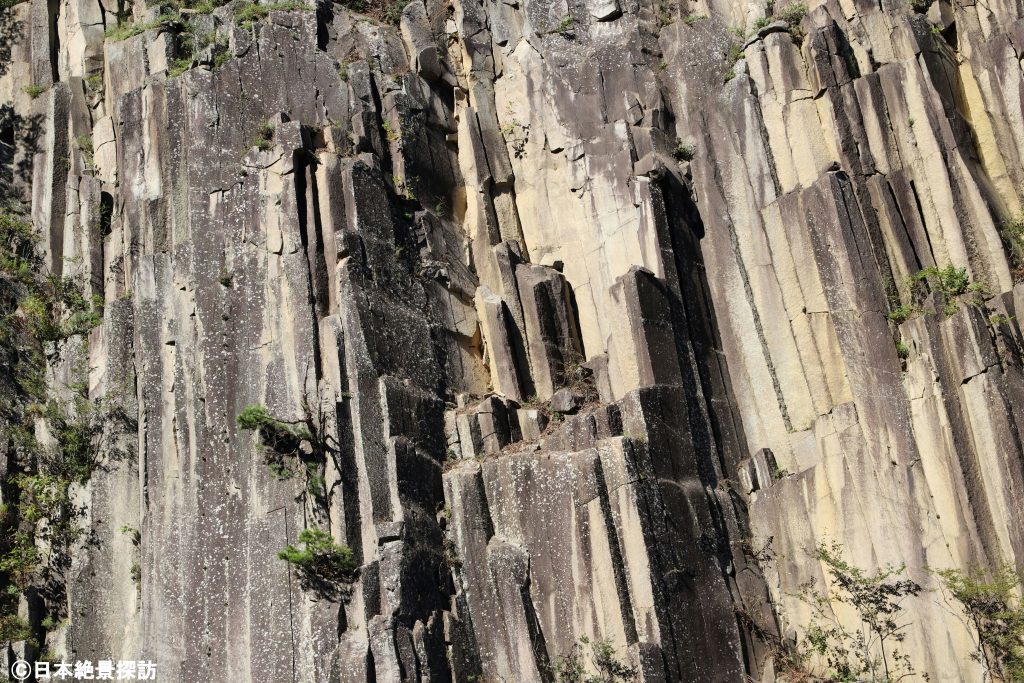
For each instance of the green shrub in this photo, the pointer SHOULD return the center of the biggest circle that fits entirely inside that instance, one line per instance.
(17, 247)
(84, 143)
(205, 7)
(246, 15)
(94, 83)
(997, 319)
(264, 138)
(733, 55)
(953, 280)
(563, 26)
(179, 66)
(34, 90)
(666, 13)
(281, 440)
(13, 628)
(131, 532)
(949, 281)
(609, 669)
(191, 45)
(517, 135)
(684, 151)
(793, 15)
(255, 417)
(901, 313)
(21, 562)
(56, 310)
(1012, 232)
(850, 654)
(991, 601)
(343, 69)
(221, 58)
(393, 11)
(39, 520)
(123, 30)
(320, 558)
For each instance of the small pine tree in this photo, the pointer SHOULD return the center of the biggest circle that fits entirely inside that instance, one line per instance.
(281, 440)
(322, 564)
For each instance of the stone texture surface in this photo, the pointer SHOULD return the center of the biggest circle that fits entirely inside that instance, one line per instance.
(585, 311)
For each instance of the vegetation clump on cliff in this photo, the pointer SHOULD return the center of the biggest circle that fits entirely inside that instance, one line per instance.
(48, 430)
(125, 29)
(950, 282)
(1012, 233)
(831, 650)
(252, 12)
(876, 598)
(320, 558)
(290, 448)
(607, 667)
(793, 14)
(991, 601)
(281, 440)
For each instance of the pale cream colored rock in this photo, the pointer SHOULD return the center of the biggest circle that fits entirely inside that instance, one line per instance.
(811, 150)
(495, 321)
(105, 150)
(80, 30)
(988, 146)
(157, 51)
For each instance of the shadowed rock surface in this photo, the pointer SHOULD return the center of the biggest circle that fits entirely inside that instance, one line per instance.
(581, 304)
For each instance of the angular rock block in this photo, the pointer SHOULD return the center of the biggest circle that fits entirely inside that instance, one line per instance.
(484, 428)
(552, 334)
(496, 324)
(758, 472)
(546, 541)
(643, 347)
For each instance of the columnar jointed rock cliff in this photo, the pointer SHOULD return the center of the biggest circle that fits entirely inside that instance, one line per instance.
(584, 308)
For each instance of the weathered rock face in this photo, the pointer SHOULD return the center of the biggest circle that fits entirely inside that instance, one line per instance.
(582, 303)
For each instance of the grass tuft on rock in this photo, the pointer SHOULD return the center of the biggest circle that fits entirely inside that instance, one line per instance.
(124, 30)
(248, 14)
(34, 90)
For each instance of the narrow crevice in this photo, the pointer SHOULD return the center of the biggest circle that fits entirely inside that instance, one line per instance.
(312, 245)
(748, 291)
(53, 15)
(917, 265)
(618, 561)
(924, 223)
(536, 631)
